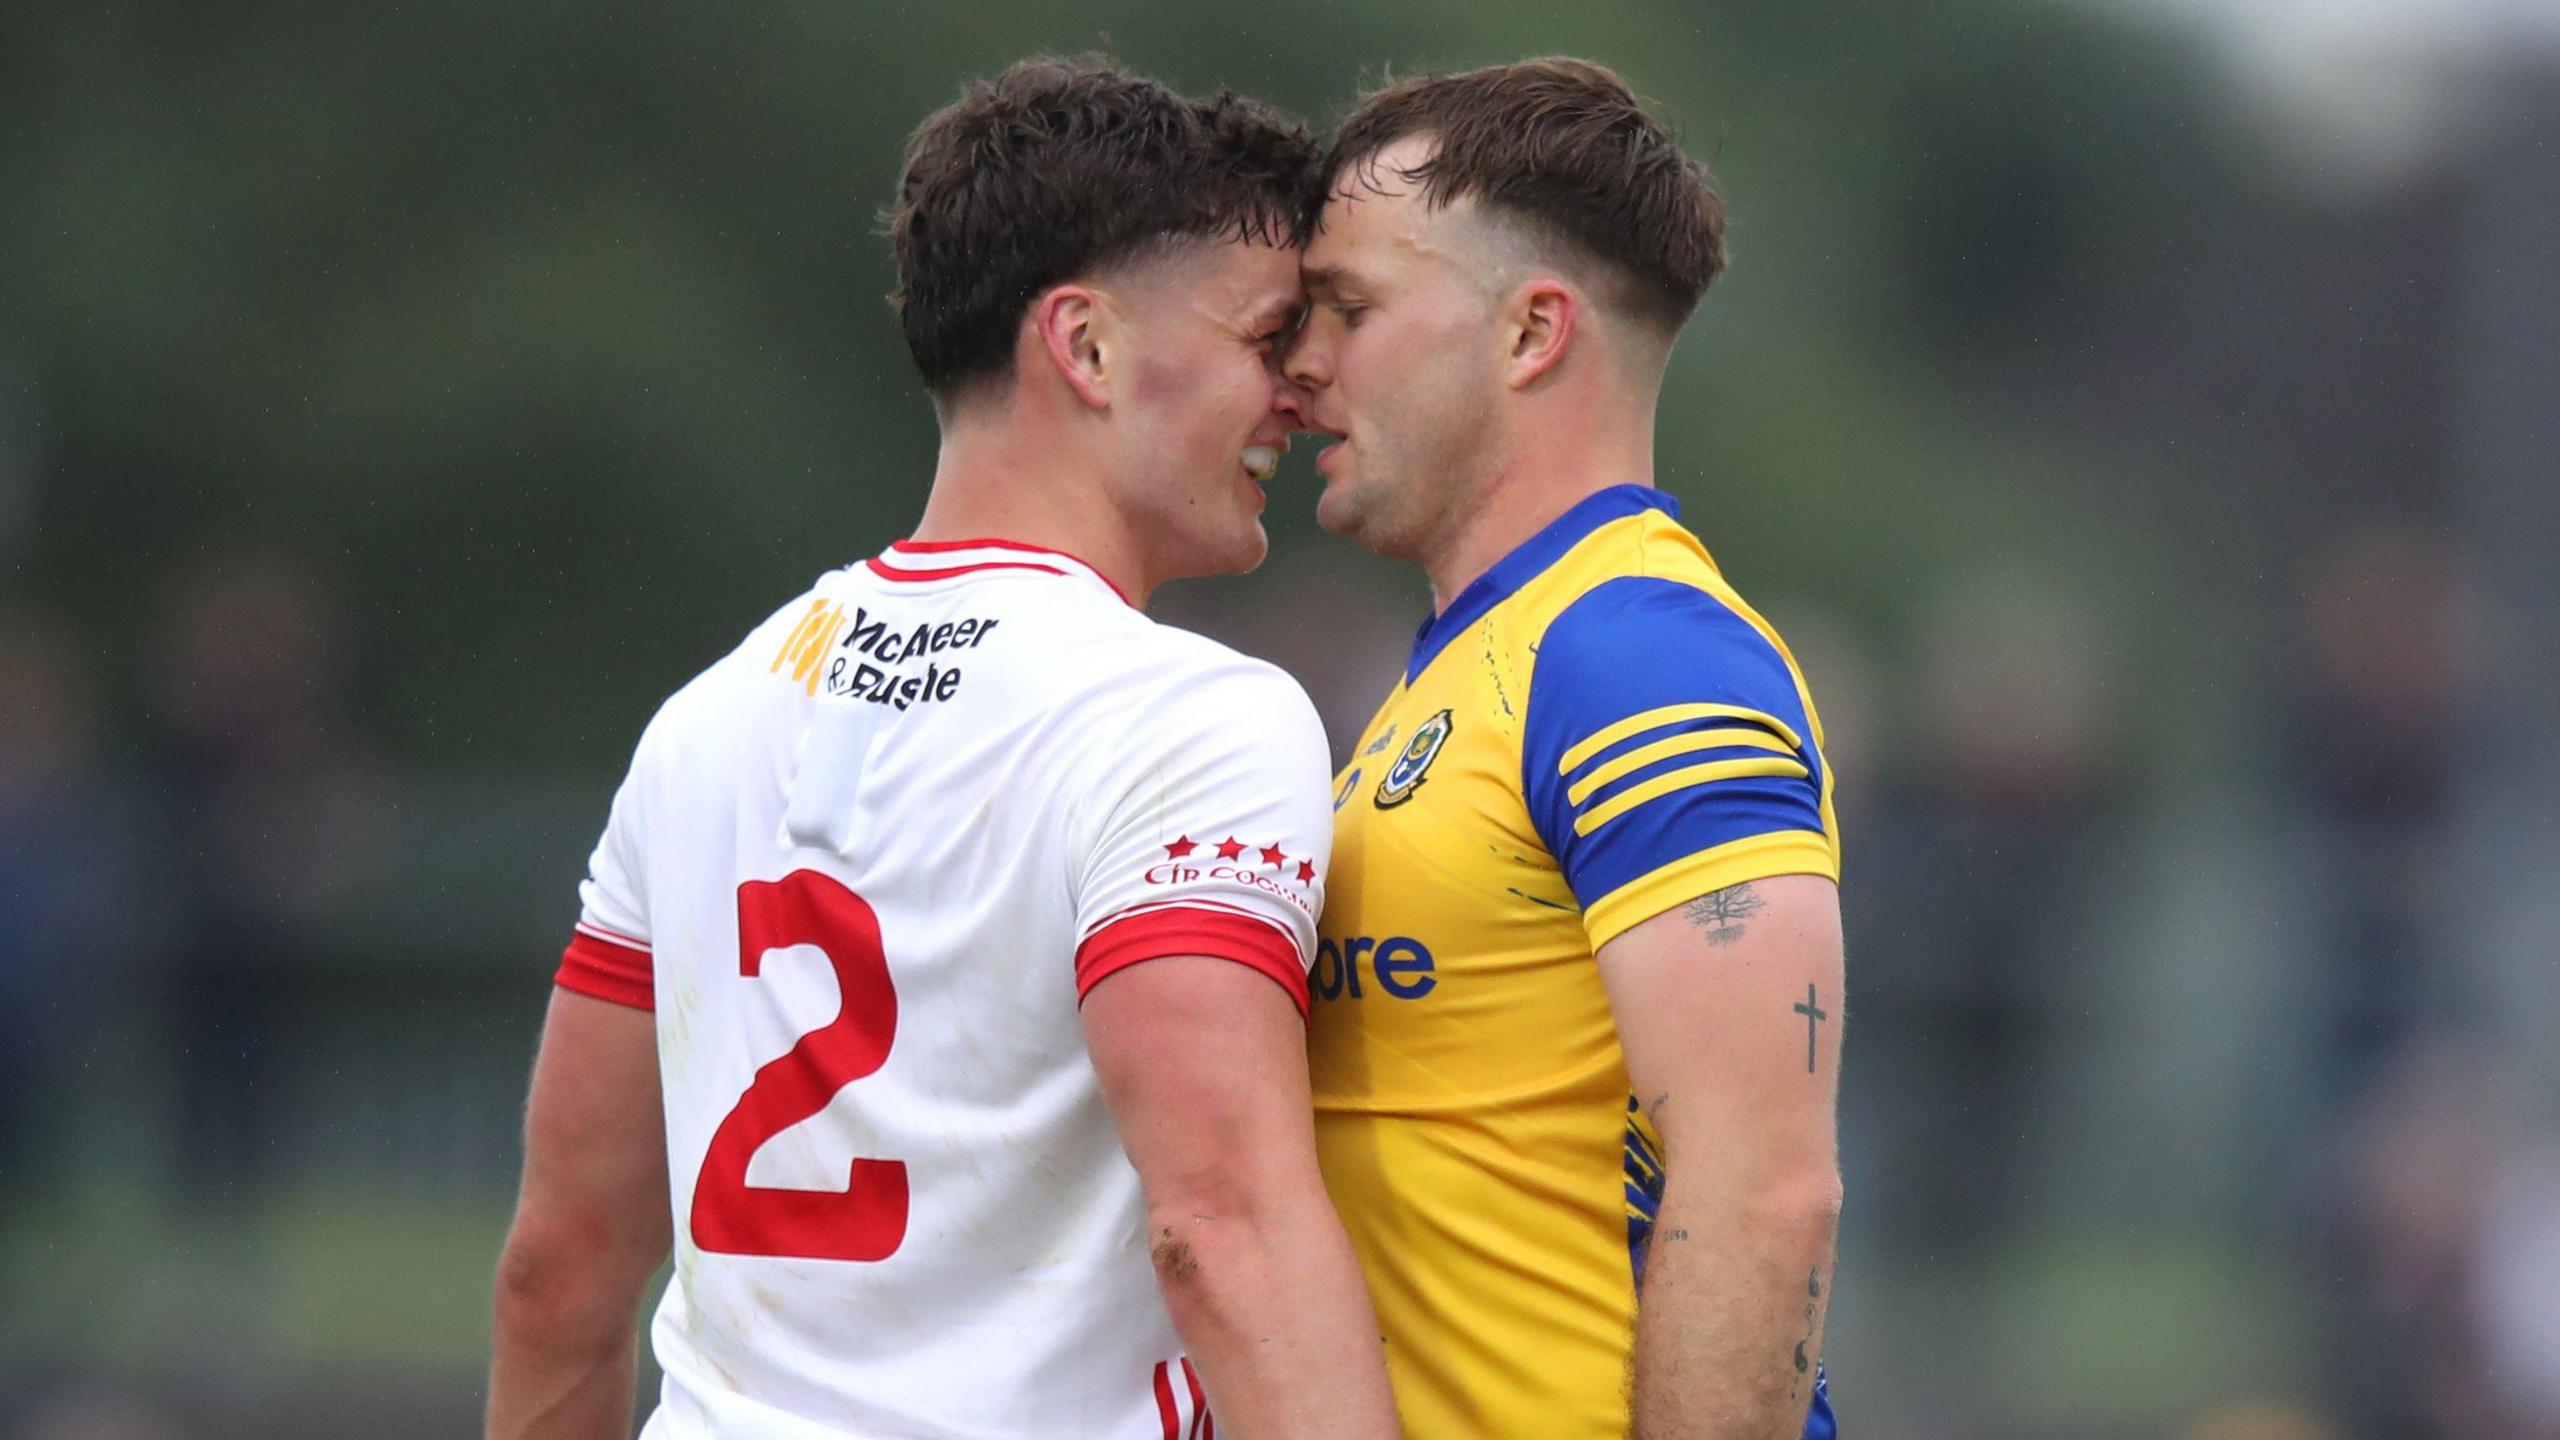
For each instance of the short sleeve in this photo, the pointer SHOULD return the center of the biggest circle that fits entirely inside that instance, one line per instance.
(1211, 831)
(1669, 752)
(608, 955)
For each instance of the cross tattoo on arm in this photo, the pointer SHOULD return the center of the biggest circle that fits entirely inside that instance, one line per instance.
(1814, 1015)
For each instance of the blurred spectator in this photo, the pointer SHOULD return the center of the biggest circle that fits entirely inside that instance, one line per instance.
(2373, 751)
(57, 875)
(49, 890)
(1973, 863)
(273, 816)
(2370, 755)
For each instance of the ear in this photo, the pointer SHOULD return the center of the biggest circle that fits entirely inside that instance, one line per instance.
(1541, 317)
(1067, 321)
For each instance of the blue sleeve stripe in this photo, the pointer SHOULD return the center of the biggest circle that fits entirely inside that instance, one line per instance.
(1630, 760)
(1685, 778)
(1666, 715)
(1731, 737)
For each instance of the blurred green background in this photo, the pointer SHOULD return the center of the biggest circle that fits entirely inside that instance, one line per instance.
(2143, 417)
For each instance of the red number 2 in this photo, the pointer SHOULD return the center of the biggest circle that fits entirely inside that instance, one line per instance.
(867, 1220)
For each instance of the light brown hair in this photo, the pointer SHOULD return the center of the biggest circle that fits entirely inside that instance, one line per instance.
(1565, 149)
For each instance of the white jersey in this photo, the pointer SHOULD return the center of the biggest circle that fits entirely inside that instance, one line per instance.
(864, 870)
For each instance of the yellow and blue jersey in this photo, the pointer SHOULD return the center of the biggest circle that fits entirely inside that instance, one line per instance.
(1597, 730)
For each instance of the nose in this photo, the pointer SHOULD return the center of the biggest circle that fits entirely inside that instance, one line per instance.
(1290, 402)
(1305, 363)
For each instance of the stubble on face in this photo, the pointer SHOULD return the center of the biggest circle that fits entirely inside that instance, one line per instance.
(1413, 388)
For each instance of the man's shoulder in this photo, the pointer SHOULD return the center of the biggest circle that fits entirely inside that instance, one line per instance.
(1188, 657)
(1169, 681)
(1636, 641)
(1637, 593)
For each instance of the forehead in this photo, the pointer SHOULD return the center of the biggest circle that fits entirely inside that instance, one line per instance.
(1373, 213)
(1235, 278)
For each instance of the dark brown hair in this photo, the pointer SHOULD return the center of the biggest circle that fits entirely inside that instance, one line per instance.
(1057, 169)
(1565, 148)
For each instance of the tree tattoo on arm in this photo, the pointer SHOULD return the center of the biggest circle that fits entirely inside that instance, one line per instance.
(1722, 914)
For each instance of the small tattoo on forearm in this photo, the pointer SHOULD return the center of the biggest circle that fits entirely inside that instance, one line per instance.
(1814, 1015)
(1813, 1298)
(1722, 913)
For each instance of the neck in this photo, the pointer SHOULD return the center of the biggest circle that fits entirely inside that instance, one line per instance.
(1534, 484)
(997, 480)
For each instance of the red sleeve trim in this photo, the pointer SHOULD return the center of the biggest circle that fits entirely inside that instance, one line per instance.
(607, 971)
(1185, 930)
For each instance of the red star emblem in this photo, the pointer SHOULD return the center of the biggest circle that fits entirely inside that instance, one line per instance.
(1230, 849)
(1180, 847)
(1306, 872)
(1271, 855)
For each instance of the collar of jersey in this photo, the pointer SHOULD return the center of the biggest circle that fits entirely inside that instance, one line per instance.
(916, 560)
(1527, 562)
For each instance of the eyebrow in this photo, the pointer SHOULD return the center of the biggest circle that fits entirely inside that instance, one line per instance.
(1326, 279)
(1279, 310)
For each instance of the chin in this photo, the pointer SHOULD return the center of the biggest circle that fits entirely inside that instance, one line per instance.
(1248, 551)
(1336, 514)
(1343, 515)
(1235, 553)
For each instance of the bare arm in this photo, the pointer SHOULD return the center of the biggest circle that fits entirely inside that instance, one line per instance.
(1729, 1011)
(591, 1226)
(1204, 1065)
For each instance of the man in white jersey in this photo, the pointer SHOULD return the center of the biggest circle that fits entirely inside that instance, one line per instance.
(944, 957)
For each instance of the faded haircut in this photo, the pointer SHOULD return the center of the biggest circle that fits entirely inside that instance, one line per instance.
(1565, 150)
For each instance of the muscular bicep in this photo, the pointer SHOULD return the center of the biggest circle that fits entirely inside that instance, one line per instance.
(1729, 1010)
(595, 1170)
(1203, 1064)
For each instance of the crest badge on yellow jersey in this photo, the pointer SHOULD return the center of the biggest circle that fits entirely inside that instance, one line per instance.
(1406, 775)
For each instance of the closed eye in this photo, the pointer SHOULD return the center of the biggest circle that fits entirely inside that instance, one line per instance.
(1276, 336)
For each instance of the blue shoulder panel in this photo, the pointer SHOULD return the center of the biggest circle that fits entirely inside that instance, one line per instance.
(1661, 723)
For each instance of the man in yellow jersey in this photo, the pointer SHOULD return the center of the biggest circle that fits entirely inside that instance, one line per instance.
(1577, 1028)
